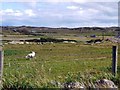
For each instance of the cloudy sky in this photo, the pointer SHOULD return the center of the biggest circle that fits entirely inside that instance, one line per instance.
(56, 13)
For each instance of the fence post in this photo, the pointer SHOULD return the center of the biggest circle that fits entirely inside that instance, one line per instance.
(1, 68)
(114, 60)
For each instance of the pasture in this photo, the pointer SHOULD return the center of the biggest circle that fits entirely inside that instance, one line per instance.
(60, 62)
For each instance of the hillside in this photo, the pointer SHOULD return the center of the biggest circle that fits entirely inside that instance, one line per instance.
(43, 30)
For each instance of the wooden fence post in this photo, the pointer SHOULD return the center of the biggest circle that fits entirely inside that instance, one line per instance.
(1, 68)
(114, 60)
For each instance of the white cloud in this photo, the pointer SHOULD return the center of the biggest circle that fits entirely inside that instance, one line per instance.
(18, 13)
(29, 12)
(91, 10)
(72, 7)
(10, 12)
(1, 12)
(86, 13)
(81, 12)
(7, 12)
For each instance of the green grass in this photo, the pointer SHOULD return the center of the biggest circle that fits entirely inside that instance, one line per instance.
(58, 61)
(98, 33)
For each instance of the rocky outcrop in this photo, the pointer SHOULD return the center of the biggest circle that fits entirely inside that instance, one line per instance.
(105, 83)
(98, 85)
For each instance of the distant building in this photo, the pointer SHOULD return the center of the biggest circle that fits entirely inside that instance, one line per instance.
(93, 36)
(15, 30)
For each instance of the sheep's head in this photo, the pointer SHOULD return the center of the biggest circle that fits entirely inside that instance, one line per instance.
(33, 52)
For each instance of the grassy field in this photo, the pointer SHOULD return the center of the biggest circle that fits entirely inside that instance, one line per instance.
(57, 62)
(61, 62)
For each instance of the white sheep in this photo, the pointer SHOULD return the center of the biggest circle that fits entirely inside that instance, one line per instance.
(30, 55)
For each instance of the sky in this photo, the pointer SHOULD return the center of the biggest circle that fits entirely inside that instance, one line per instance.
(59, 13)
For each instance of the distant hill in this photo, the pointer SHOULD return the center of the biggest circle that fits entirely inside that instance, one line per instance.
(35, 30)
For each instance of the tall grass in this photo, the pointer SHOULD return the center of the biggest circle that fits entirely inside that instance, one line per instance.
(58, 62)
